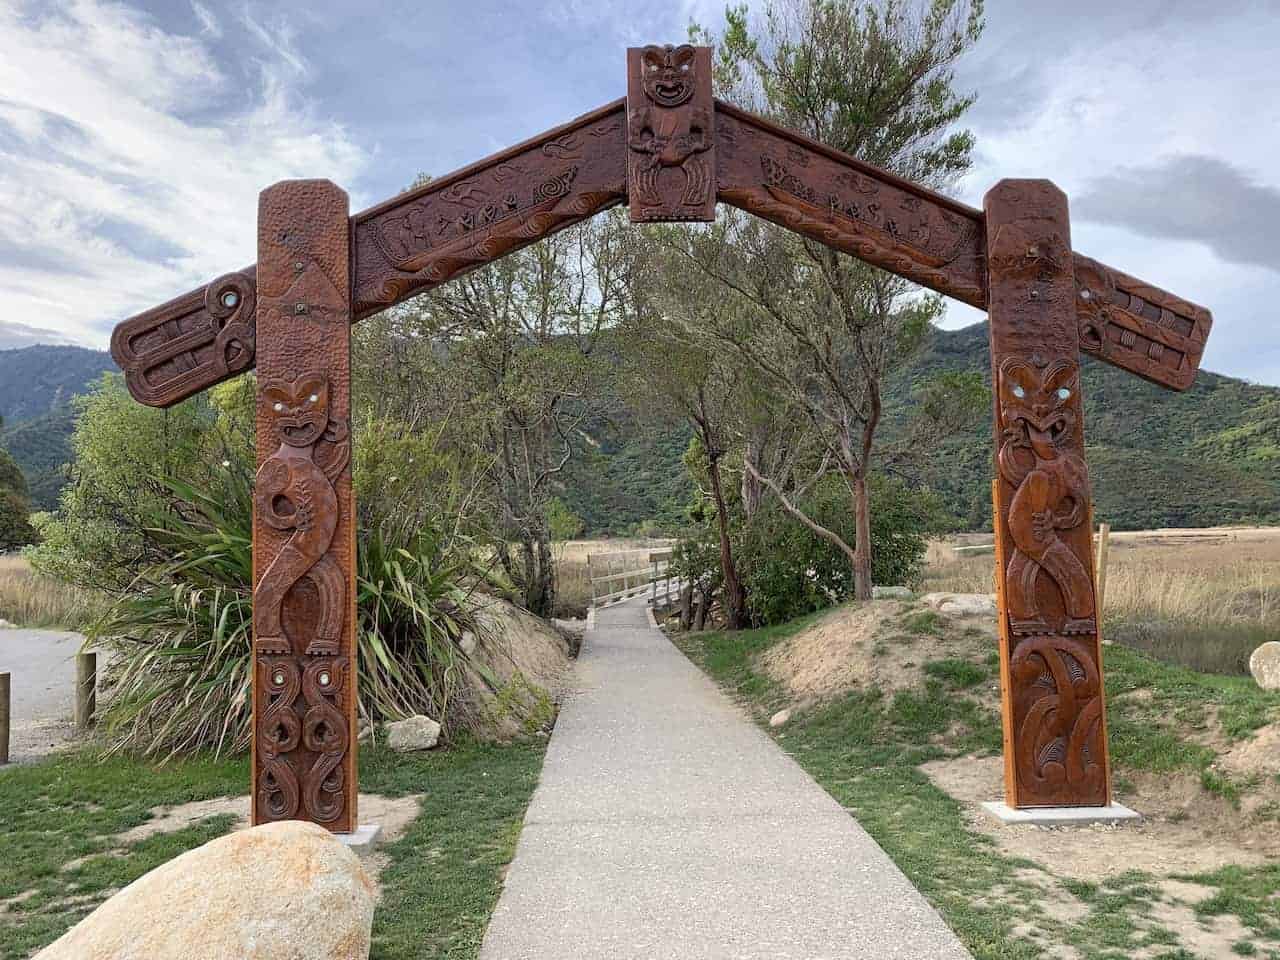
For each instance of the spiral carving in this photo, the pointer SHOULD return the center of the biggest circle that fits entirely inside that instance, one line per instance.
(279, 732)
(324, 733)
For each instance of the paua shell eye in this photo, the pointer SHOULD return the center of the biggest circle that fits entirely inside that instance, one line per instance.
(277, 406)
(313, 398)
(1018, 391)
(1063, 393)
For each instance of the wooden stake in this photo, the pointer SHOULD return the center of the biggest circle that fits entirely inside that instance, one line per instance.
(4, 718)
(86, 689)
(1104, 539)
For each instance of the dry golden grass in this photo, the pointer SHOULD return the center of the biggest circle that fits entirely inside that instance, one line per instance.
(1203, 598)
(28, 599)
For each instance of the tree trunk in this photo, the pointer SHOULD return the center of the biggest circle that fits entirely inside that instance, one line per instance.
(862, 539)
(686, 606)
(735, 599)
(752, 490)
(700, 615)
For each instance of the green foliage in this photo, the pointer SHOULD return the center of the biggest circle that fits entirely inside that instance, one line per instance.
(15, 508)
(789, 570)
(563, 523)
(36, 380)
(122, 448)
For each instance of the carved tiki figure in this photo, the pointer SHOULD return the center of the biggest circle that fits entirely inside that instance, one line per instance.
(294, 493)
(669, 128)
(1039, 456)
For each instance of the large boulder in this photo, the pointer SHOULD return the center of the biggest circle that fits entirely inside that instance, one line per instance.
(282, 891)
(413, 733)
(1265, 665)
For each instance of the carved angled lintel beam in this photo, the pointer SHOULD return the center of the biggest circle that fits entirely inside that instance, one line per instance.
(425, 237)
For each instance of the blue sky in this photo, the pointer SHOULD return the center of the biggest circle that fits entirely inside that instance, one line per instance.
(134, 137)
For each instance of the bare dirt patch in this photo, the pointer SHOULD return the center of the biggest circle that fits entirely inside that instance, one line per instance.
(866, 645)
(1185, 830)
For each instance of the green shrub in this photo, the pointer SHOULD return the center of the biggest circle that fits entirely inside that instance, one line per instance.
(181, 636)
(789, 571)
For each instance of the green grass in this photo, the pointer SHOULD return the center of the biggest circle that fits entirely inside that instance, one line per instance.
(865, 748)
(439, 889)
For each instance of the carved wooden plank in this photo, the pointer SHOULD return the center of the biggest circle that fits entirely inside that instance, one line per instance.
(671, 168)
(304, 745)
(184, 346)
(862, 210)
(1049, 625)
(457, 223)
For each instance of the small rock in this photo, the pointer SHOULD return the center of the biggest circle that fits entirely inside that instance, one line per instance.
(890, 593)
(962, 604)
(276, 892)
(1265, 665)
(5, 624)
(467, 642)
(364, 732)
(779, 718)
(414, 733)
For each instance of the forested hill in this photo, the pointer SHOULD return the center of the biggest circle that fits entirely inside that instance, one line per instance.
(1209, 455)
(1158, 458)
(36, 387)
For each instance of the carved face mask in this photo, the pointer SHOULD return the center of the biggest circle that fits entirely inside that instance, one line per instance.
(1043, 400)
(299, 409)
(667, 74)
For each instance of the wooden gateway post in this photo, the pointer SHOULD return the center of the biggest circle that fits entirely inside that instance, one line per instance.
(671, 152)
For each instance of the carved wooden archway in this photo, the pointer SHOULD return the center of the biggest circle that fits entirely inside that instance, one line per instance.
(671, 152)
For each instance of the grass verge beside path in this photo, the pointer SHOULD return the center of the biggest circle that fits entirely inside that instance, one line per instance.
(864, 748)
(59, 819)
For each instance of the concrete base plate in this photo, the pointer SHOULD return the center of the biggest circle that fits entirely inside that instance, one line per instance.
(1061, 816)
(363, 839)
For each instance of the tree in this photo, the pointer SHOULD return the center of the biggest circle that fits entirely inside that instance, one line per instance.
(669, 363)
(15, 506)
(874, 80)
(514, 357)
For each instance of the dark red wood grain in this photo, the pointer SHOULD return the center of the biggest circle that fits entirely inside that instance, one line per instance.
(304, 745)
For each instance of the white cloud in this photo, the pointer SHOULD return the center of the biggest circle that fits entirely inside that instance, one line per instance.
(1091, 110)
(208, 22)
(119, 139)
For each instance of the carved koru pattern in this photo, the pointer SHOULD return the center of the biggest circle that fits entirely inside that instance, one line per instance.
(278, 732)
(191, 343)
(325, 734)
(294, 493)
(1059, 745)
(304, 511)
(1053, 720)
(670, 136)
